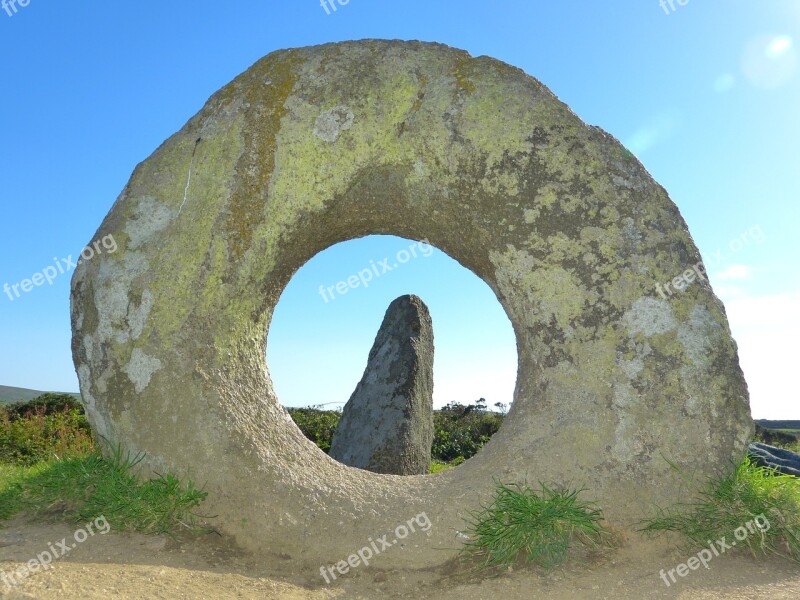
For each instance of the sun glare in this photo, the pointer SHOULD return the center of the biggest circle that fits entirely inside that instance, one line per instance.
(779, 46)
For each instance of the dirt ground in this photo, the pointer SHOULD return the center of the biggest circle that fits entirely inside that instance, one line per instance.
(135, 566)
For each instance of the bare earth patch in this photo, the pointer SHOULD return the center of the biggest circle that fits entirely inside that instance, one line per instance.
(136, 566)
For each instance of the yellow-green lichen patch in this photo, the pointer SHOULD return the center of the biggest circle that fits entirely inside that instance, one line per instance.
(570, 155)
(310, 170)
(562, 248)
(625, 286)
(181, 256)
(555, 292)
(463, 71)
(165, 170)
(266, 97)
(423, 87)
(498, 120)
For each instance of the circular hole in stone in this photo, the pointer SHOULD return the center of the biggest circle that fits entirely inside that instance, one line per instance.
(325, 325)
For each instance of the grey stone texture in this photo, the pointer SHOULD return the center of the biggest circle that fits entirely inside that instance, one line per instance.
(387, 424)
(483, 161)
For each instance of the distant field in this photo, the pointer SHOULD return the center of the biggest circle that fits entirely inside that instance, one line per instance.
(785, 426)
(9, 395)
(795, 432)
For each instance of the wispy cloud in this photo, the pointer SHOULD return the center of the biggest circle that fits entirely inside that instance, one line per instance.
(729, 292)
(725, 282)
(769, 61)
(734, 273)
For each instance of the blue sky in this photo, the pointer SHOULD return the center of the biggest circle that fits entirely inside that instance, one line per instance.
(706, 95)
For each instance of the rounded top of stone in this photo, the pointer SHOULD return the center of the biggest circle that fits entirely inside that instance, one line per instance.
(407, 299)
(411, 306)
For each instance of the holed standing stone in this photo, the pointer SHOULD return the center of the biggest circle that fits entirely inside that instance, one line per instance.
(311, 147)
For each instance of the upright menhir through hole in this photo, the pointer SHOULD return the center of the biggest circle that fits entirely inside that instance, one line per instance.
(352, 347)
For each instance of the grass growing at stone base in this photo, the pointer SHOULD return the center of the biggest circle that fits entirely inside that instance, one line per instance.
(10, 477)
(51, 465)
(83, 488)
(731, 501)
(534, 526)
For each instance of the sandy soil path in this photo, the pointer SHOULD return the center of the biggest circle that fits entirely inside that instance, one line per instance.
(135, 566)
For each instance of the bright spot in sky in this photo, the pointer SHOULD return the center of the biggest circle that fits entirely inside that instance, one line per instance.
(769, 61)
(779, 46)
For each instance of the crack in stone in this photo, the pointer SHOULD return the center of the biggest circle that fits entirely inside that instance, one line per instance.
(189, 178)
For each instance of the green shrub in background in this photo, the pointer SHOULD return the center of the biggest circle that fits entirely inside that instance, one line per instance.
(52, 425)
(790, 440)
(48, 403)
(461, 430)
(317, 425)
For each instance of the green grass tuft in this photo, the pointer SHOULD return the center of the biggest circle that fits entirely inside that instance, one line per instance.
(51, 464)
(87, 487)
(437, 466)
(539, 527)
(11, 477)
(731, 501)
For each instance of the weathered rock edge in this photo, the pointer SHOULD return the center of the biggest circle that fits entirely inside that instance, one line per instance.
(314, 146)
(387, 424)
